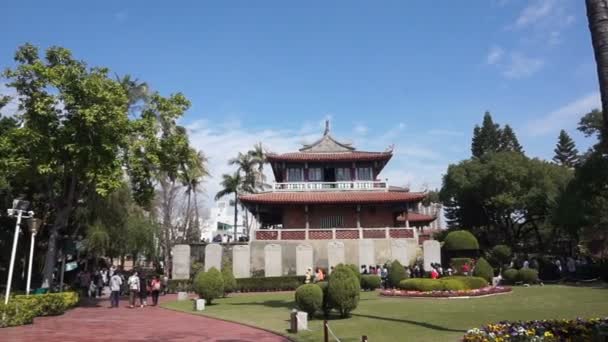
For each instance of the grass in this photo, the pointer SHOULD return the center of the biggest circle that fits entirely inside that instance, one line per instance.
(395, 319)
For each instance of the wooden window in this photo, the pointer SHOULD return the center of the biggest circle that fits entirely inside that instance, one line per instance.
(294, 174)
(332, 222)
(342, 174)
(315, 174)
(364, 173)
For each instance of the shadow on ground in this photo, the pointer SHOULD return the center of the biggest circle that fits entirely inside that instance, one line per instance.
(407, 321)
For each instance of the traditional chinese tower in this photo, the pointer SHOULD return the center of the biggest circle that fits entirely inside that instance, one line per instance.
(328, 199)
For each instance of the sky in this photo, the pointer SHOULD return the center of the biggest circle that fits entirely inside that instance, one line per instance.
(416, 74)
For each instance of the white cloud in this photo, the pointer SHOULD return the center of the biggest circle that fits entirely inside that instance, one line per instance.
(360, 129)
(563, 117)
(494, 55)
(520, 66)
(534, 12)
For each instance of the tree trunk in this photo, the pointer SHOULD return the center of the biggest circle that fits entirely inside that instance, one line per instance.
(51, 252)
(597, 14)
(236, 209)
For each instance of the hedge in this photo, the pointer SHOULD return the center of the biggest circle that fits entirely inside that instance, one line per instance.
(528, 276)
(209, 285)
(460, 240)
(370, 282)
(309, 298)
(286, 283)
(228, 277)
(483, 269)
(22, 309)
(179, 285)
(510, 276)
(443, 284)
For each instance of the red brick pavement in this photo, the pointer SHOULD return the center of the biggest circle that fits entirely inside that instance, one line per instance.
(100, 323)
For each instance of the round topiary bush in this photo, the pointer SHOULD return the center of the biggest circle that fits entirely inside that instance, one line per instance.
(510, 276)
(484, 270)
(343, 290)
(209, 285)
(309, 298)
(501, 254)
(370, 282)
(229, 280)
(355, 271)
(470, 283)
(528, 275)
(396, 273)
(460, 240)
(323, 285)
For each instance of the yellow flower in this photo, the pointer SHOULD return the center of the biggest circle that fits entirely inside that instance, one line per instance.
(548, 334)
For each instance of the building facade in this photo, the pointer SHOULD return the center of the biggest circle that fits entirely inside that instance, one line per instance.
(328, 194)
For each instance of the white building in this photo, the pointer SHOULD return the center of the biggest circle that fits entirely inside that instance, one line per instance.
(221, 222)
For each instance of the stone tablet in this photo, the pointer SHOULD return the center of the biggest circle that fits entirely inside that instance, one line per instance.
(181, 262)
(432, 253)
(366, 253)
(181, 296)
(399, 251)
(302, 318)
(213, 256)
(273, 261)
(335, 253)
(241, 261)
(304, 259)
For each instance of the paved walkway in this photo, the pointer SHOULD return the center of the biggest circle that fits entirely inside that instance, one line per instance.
(98, 323)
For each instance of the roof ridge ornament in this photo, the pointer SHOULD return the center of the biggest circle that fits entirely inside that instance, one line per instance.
(326, 132)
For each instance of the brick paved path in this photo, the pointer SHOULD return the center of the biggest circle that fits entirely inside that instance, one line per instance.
(100, 323)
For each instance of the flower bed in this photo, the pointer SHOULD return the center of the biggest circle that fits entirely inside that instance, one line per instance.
(553, 330)
(489, 290)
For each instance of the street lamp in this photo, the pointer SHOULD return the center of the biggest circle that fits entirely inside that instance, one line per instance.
(34, 225)
(20, 211)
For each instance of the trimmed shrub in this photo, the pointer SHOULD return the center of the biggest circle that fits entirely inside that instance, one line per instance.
(228, 277)
(421, 284)
(484, 270)
(452, 285)
(22, 309)
(326, 307)
(510, 276)
(343, 290)
(370, 282)
(470, 283)
(209, 285)
(528, 275)
(286, 283)
(356, 271)
(309, 298)
(457, 264)
(179, 285)
(501, 254)
(396, 273)
(460, 240)
(195, 268)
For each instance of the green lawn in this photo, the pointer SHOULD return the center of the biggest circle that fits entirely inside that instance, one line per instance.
(395, 319)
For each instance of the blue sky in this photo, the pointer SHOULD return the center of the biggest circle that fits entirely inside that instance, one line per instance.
(417, 74)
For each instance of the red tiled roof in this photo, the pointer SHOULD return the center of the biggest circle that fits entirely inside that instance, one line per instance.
(339, 197)
(331, 156)
(415, 217)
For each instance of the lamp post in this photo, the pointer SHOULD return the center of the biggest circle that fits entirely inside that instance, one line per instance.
(34, 225)
(20, 210)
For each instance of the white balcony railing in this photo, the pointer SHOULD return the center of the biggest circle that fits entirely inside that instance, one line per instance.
(334, 233)
(331, 186)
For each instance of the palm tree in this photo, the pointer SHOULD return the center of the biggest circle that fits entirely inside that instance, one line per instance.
(246, 165)
(194, 169)
(597, 14)
(231, 184)
(259, 156)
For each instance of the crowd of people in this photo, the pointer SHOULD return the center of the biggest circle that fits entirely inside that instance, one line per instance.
(136, 284)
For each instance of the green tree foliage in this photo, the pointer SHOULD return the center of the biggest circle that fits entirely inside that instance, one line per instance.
(396, 273)
(503, 197)
(231, 184)
(528, 276)
(483, 269)
(501, 254)
(510, 276)
(370, 282)
(566, 153)
(508, 141)
(460, 240)
(486, 138)
(355, 270)
(343, 290)
(309, 298)
(209, 285)
(591, 123)
(229, 280)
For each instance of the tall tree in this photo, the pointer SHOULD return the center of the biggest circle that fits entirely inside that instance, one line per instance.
(486, 138)
(591, 124)
(259, 156)
(508, 141)
(231, 184)
(566, 153)
(597, 15)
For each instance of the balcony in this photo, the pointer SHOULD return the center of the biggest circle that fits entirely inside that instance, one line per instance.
(331, 186)
(334, 233)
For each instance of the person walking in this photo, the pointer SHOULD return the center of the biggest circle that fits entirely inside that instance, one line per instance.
(134, 285)
(115, 284)
(144, 287)
(155, 285)
(308, 276)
